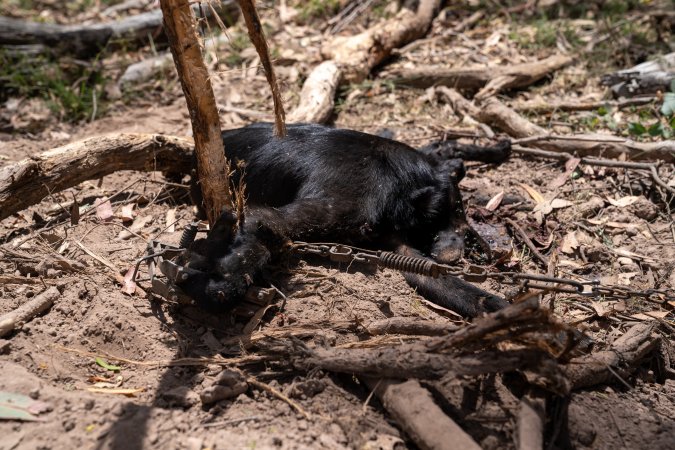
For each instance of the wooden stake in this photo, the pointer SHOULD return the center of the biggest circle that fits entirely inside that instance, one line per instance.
(213, 167)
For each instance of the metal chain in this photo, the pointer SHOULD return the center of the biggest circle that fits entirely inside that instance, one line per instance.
(477, 274)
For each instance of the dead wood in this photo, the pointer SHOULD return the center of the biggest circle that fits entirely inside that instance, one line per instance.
(27, 182)
(27, 311)
(489, 80)
(257, 36)
(616, 363)
(648, 77)
(409, 326)
(413, 361)
(530, 426)
(212, 166)
(358, 55)
(538, 107)
(317, 95)
(496, 114)
(84, 41)
(413, 408)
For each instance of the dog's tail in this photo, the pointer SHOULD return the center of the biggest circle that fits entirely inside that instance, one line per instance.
(450, 292)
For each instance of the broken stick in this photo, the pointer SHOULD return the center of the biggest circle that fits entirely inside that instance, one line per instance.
(213, 167)
(28, 181)
(415, 411)
(26, 312)
(615, 363)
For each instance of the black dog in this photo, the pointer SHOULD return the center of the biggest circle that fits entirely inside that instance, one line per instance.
(325, 184)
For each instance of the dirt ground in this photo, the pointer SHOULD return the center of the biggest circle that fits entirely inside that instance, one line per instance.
(53, 357)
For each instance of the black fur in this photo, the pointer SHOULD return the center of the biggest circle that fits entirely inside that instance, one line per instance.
(325, 184)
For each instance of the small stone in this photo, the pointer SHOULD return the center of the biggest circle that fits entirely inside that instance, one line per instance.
(68, 424)
(4, 346)
(34, 393)
(89, 404)
(180, 396)
(303, 425)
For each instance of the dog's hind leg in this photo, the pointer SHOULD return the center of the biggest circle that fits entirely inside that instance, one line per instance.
(450, 292)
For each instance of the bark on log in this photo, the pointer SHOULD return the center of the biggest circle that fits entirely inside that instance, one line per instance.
(212, 166)
(538, 107)
(622, 359)
(409, 326)
(26, 312)
(317, 97)
(413, 408)
(496, 114)
(646, 78)
(84, 41)
(358, 55)
(530, 426)
(351, 58)
(490, 80)
(410, 361)
(27, 182)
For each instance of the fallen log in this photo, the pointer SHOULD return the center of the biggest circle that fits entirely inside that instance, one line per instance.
(498, 115)
(28, 181)
(540, 107)
(27, 311)
(489, 80)
(616, 363)
(413, 408)
(357, 55)
(648, 77)
(85, 41)
(317, 95)
(353, 57)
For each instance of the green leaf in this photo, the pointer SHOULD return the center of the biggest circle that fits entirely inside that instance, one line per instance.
(602, 111)
(20, 407)
(101, 362)
(668, 107)
(636, 128)
(656, 129)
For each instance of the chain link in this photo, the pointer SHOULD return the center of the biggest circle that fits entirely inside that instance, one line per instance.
(473, 273)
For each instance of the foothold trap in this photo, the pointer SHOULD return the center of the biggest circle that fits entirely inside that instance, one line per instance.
(165, 273)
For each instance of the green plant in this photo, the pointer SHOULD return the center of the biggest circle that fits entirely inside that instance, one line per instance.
(70, 89)
(314, 9)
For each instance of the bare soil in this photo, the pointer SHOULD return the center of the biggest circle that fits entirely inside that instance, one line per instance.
(52, 358)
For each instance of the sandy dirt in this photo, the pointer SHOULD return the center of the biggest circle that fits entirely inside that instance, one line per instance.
(53, 358)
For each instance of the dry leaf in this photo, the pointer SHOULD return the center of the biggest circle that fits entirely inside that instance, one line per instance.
(651, 315)
(558, 203)
(135, 227)
(536, 196)
(127, 213)
(599, 309)
(569, 243)
(495, 201)
(128, 284)
(570, 166)
(104, 210)
(171, 220)
(625, 277)
(624, 201)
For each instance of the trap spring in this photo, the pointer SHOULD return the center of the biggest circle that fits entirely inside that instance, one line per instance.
(472, 273)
